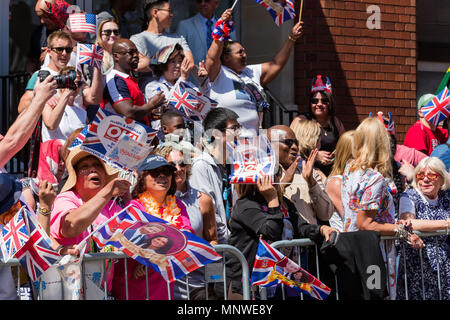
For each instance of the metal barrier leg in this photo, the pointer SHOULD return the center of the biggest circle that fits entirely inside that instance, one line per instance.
(405, 272)
(436, 250)
(421, 270)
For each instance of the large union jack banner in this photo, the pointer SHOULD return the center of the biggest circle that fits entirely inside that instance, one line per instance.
(280, 12)
(192, 103)
(155, 243)
(89, 54)
(272, 268)
(253, 157)
(438, 109)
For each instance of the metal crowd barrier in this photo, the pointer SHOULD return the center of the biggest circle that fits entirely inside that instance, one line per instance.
(37, 288)
(307, 243)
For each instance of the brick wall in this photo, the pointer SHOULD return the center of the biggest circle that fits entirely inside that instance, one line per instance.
(371, 70)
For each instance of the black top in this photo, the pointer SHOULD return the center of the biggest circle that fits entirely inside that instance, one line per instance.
(249, 220)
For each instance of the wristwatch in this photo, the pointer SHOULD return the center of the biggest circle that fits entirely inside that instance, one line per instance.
(44, 211)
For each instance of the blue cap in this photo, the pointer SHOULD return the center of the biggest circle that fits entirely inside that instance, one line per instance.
(153, 162)
(10, 191)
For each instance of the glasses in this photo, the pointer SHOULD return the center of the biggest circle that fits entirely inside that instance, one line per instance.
(60, 50)
(179, 163)
(316, 101)
(108, 32)
(131, 52)
(289, 142)
(161, 170)
(430, 176)
(170, 11)
(200, 1)
(235, 127)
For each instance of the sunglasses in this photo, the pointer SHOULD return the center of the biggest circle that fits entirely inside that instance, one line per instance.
(161, 170)
(179, 162)
(200, 1)
(289, 142)
(60, 50)
(234, 128)
(108, 32)
(431, 176)
(316, 101)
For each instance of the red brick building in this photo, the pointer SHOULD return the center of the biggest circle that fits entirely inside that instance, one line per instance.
(371, 69)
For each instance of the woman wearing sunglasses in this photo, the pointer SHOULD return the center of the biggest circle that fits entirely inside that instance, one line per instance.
(202, 216)
(427, 206)
(154, 194)
(321, 108)
(107, 34)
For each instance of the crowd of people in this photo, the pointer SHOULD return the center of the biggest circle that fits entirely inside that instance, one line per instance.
(327, 179)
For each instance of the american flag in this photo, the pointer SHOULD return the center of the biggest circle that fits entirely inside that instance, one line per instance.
(253, 157)
(280, 13)
(187, 253)
(14, 235)
(36, 256)
(194, 104)
(89, 54)
(272, 268)
(80, 138)
(438, 109)
(83, 22)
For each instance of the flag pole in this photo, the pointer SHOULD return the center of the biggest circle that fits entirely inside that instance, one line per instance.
(236, 1)
(300, 13)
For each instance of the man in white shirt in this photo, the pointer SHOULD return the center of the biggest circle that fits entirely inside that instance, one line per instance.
(154, 38)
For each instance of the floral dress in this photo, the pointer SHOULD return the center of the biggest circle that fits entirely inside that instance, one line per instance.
(435, 254)
(368, 190)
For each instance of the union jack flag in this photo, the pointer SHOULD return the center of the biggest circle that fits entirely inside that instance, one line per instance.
(280, 13)
(83, 22)
(253, 157)
(438, 109)
(192, 103)
(14, 235)
(36, 256)
(89, 54)
(272, 268)
(187, 252)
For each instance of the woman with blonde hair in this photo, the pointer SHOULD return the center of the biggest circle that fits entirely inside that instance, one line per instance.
(367, 202)
(107, 33)
(344, 150)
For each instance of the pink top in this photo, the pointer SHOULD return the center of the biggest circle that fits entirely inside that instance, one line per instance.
(68, 201)
(411, 155)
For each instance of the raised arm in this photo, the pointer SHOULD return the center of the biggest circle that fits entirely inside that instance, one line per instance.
(94, 93)
(212, 62)
(272, 68)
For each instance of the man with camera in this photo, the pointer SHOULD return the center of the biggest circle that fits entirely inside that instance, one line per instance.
(66, 111)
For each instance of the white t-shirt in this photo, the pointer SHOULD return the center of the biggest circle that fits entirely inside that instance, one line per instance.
(74, 117)
(229, 91)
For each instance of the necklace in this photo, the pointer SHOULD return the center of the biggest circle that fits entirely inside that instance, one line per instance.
(168, 210)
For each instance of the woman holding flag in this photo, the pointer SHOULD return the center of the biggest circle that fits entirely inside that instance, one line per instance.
(236, 85)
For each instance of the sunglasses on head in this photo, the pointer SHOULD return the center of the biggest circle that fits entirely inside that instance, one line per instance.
(316, 100)
(108, 32)
(60, 50)
(430, 175)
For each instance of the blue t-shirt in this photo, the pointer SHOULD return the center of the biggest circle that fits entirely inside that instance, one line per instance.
(442, 152)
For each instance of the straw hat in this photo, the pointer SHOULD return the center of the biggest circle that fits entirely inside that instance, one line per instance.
(75, 156)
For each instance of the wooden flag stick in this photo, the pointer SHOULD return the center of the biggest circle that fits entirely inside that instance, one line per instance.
(300, 12)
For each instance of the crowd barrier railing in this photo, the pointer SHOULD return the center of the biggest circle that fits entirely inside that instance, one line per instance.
(217, 275)
(306, 243)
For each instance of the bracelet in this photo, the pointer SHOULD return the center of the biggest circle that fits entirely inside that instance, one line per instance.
(402, 233)
(44, 211)
(59, 248)
(447, 226)
(292, 39)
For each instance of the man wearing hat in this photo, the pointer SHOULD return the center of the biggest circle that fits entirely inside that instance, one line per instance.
(423, 135)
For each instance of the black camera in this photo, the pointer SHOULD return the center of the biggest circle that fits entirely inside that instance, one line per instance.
(63, 80)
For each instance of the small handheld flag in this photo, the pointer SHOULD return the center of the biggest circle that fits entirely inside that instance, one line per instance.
(89, 54)
(272, 268)
(83, 22)
(279, 13)
(438, 109)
